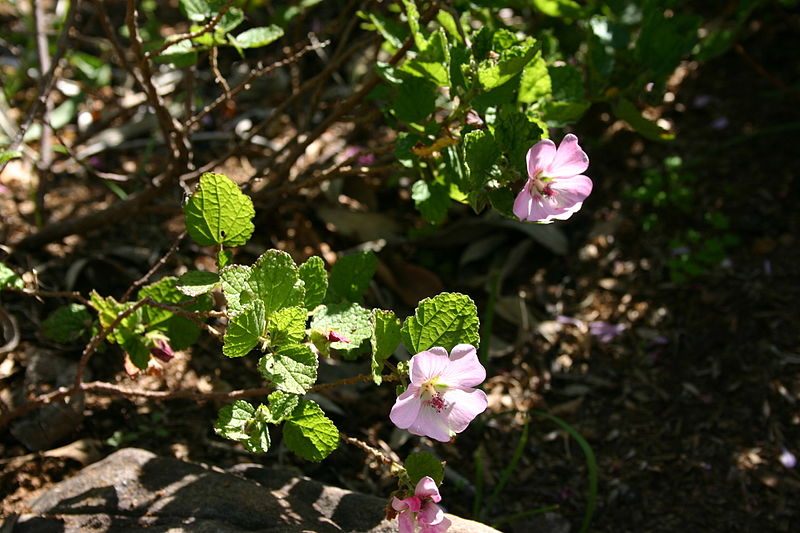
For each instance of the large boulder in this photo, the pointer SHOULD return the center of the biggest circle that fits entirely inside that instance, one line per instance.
(134, 490)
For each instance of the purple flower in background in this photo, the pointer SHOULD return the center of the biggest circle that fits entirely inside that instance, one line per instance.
(441, 400)
(366, 159)
(605, 331)
(788, 459)
(420, 510)
(555, 189)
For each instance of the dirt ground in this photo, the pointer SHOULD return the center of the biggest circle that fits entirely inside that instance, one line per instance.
(686, 390)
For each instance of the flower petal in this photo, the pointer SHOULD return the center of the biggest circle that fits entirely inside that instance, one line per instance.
(441, 527)
(464, 370)
(464, 406)
(570, 194)
(431, 423)
(430, 514)
(406, 408)
(406, 521)
(535, 208)
(570, 159)
(540, 156)
(426, 488)
(427, 365)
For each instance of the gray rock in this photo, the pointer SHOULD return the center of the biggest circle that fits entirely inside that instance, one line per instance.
(134, 490)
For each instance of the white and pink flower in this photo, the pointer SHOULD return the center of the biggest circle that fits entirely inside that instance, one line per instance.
(556, 187)
(441, 400)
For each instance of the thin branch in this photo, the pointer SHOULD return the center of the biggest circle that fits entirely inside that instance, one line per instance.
(259, 71)
(361, 445)
(226, 89)
(191, 315)
(161, 262)
(210, 25)
(45, 162)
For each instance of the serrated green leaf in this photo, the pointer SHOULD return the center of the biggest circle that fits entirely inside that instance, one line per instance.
(385, 339)
(245, 331)
(315, 278)
(292, 369)
(129, 333)
(445, 320)
(348, 319)
(480, 153)
(287, 326)
(412, 15)
(8, 155)
(224, 258)
(414, 100)
(219, 213)
(257, 37)
(535, 84)
(421, 464)
(516, 134)
(431, 200)
(450, 24)
(230, 20)
(309, 433)
(494, 73)
(181, 331)
(566, 82)
(560, 114)
(242, 422)
(432, 62)
(352, 274)
(67, 323)
(273, 279)
(281, 405)
(197, 282)
(9, 278)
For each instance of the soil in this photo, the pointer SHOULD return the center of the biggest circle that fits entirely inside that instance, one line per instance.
(689, 402)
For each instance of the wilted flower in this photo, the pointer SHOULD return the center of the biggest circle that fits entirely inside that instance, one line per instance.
(555, 188)
(420, 510)
(441, 400)
(335, 336)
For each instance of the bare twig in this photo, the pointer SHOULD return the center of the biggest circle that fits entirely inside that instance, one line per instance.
(191, 315)
(376, 453)
(210, 25)
(46, 141)
(161, 262)
(226, 89)
(47, 80)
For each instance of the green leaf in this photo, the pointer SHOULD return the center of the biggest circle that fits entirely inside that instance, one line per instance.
(421, 464)
(257, 37)
(241, 422)
(535, 84)
(245, 331)
(625, 110)
(412, 15)
(230, 20)
(129, 333)
(431, 200)
(480, 153)
(309, 433)
(9, 278)
(281, 405)
(450, 24)
(445, 320)
(348, 319)
(384, 340)
(224, 258)
(197, 282)
(67, 323)
(664, 41)
(494, 73)
(181, 331)
(273, 279)
(560, 114)
(516, 134)
(567, 83)
(195, 10)
(351, 275)
(219, 213)
(287, 325)
(292, 369)
(559, 8)
(8, 155)
(180, 54)
(315, 278)
(415, 99)
(432, 62)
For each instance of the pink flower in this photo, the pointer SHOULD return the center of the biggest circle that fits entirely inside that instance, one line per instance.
(555, 188)
(441, 400)
(420, 510)
(335, 336)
